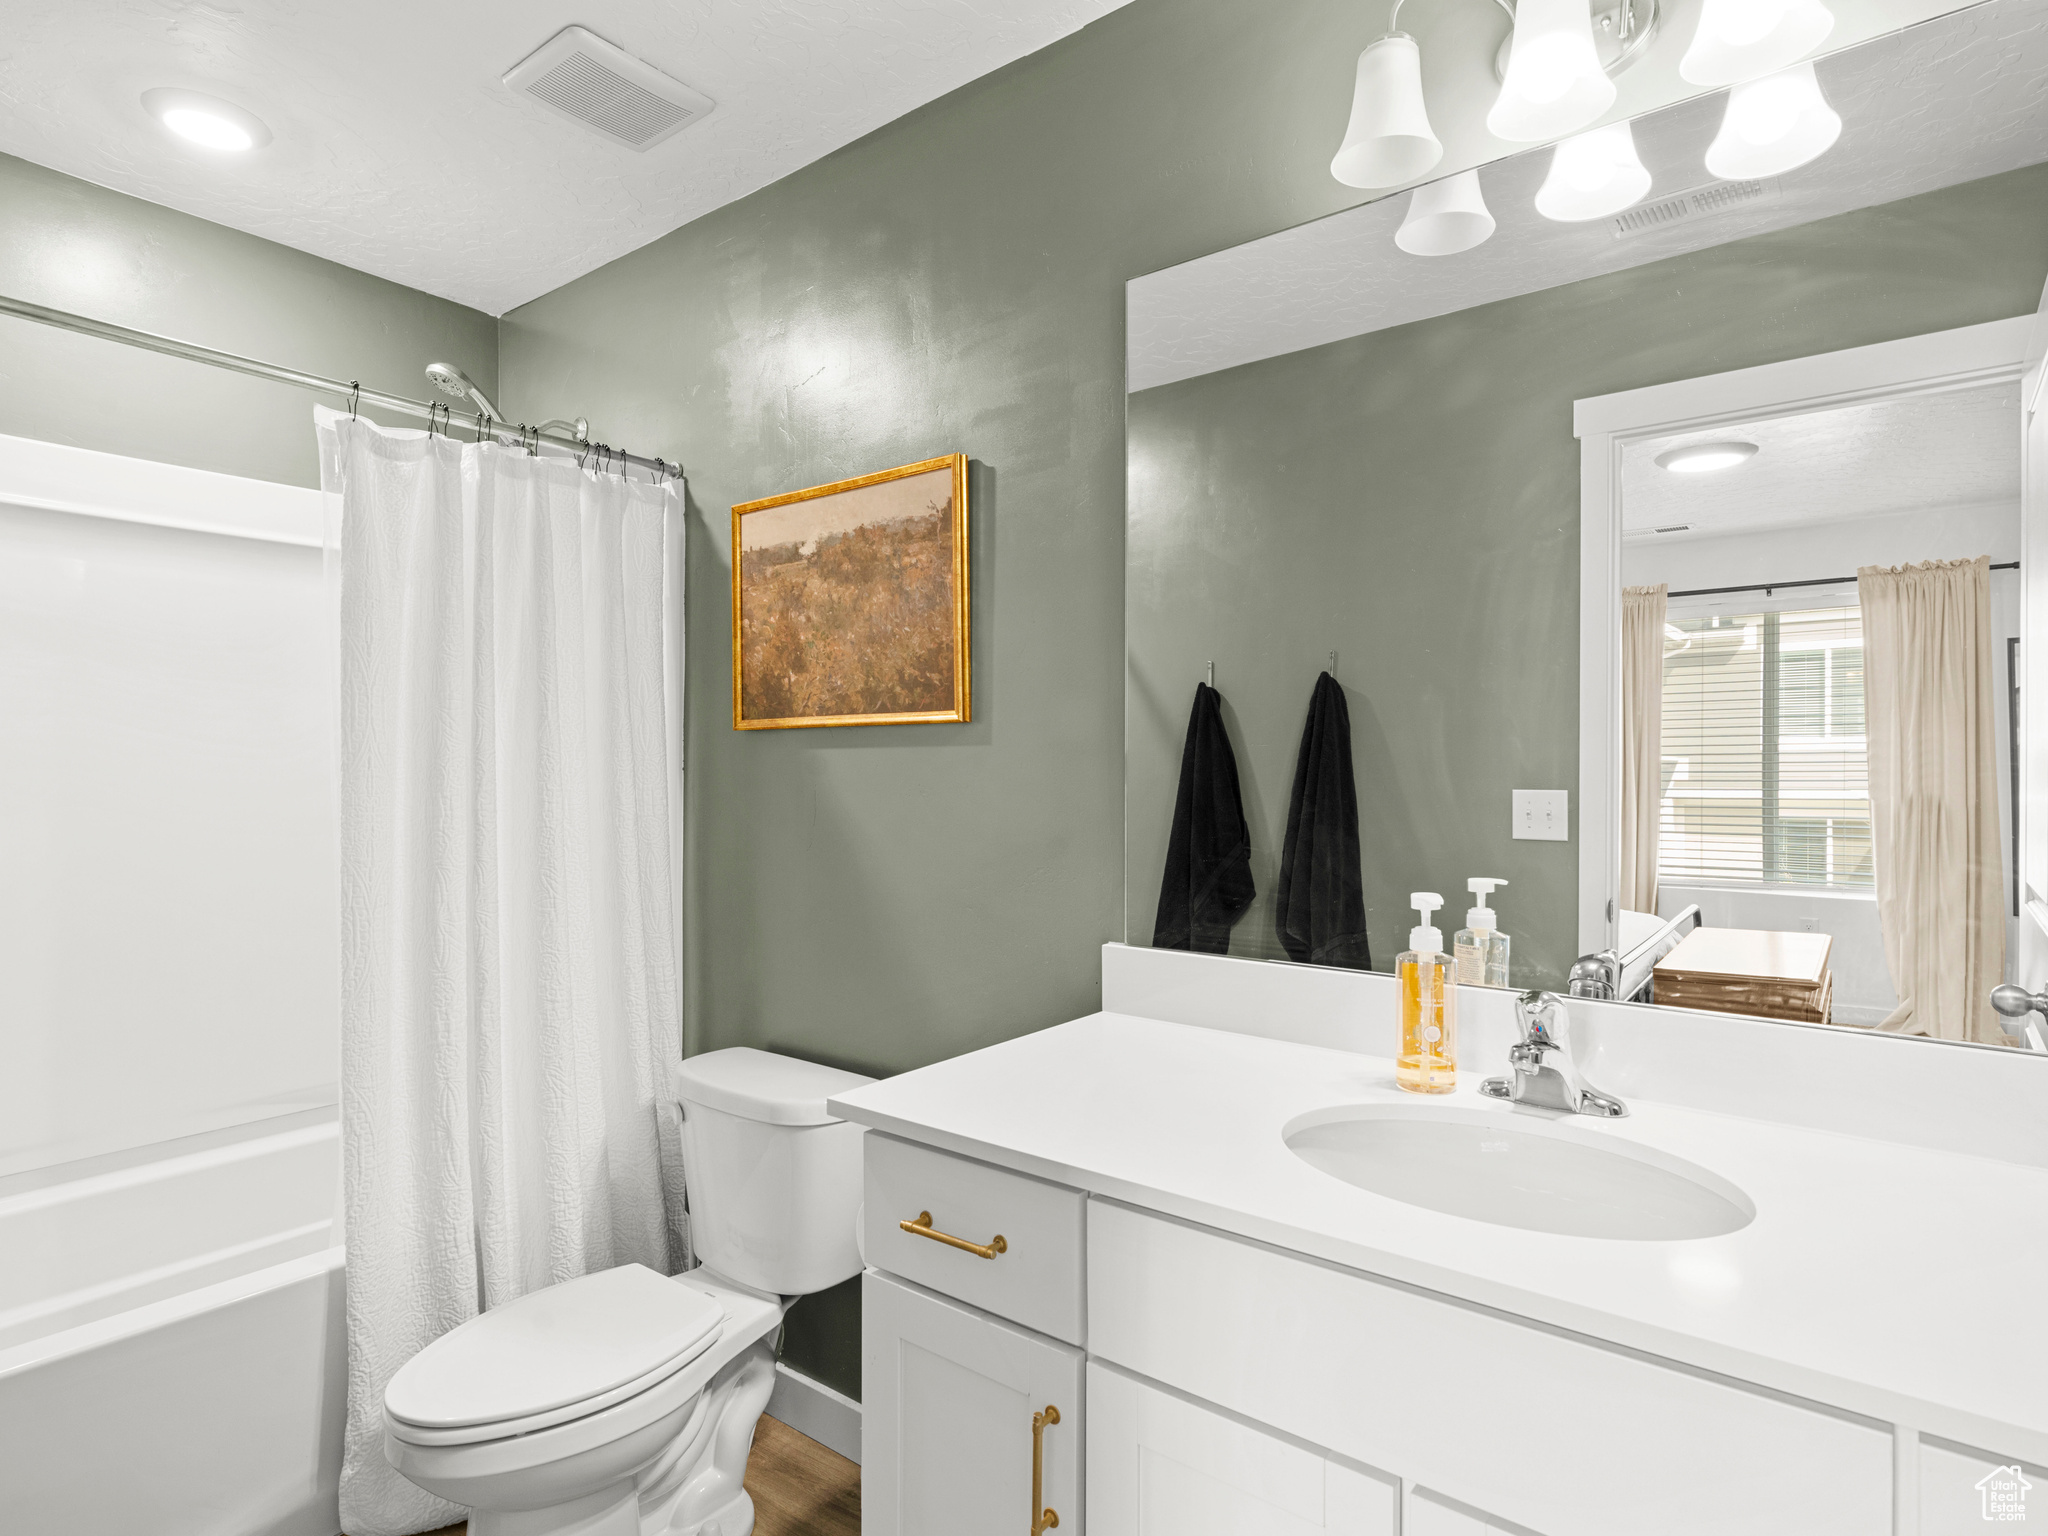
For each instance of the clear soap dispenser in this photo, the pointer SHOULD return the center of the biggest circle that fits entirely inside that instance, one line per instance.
(1428, 1062)
(1481, 948)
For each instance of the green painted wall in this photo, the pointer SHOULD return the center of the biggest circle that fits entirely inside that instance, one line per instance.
(71, 245)
(884, 897)
(1410, 500)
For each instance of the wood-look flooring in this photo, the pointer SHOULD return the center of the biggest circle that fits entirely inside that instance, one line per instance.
(800, 1487)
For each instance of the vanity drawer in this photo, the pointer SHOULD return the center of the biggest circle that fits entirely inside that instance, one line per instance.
(1035, 1280)
(1541, 1428)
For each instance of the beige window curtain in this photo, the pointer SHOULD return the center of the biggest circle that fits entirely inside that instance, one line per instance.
(1929, 680)
(1642, 742)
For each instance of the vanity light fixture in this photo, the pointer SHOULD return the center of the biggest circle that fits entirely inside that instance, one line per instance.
(1389, 139)
(1554, 83)
(206, 120)
(1704, 458)
(1593, 176)
(1773, 125)
(1744, 39)
(1445, 217)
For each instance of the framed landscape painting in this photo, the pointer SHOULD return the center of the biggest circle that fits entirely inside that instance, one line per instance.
(849, 602)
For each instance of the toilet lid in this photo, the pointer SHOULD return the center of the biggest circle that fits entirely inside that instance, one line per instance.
(555, 1347)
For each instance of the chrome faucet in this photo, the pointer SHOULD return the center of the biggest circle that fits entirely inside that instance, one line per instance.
(1596, 975)
(1541, 1070)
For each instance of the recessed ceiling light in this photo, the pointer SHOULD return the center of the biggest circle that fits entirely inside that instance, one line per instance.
(206, 120)
(1703, 458)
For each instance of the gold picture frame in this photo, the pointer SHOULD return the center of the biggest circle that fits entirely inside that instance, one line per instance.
(847, 598)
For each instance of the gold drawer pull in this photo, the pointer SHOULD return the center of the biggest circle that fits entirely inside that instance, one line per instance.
(923, 1228)
(1042, 1519)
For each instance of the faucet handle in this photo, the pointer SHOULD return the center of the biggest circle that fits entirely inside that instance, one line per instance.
(1543, 1020)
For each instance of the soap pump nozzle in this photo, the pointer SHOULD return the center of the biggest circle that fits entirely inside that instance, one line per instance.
(1481, 914)
(1423, 937)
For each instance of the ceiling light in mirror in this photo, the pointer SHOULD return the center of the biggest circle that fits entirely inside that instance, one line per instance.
(1773, 125)
(1704, 458)
(1742, 39)
(1593, 176)
(1445, 217)
(206, 120)
(1555, 84)
(1389, 140)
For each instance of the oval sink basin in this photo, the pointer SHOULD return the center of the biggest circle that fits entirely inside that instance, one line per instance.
(1483, 1167)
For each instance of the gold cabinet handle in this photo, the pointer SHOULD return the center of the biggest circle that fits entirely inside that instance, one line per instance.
(1042, 1519)
(923, 1228)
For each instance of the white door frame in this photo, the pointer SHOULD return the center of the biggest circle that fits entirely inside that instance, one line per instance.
(1605, 424)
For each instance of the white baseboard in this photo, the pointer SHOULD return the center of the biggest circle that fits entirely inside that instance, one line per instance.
(812, 1408)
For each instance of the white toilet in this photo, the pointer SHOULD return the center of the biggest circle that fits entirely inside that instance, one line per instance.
(623, 1403)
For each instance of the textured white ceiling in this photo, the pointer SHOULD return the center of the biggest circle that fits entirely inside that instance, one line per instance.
(1906, 455)
(1947, 101)
(399, 153)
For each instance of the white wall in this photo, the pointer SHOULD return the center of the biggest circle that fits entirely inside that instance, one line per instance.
(1816, 551)
(167, 837)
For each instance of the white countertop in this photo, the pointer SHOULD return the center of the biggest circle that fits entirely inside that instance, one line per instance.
(1887, 1280)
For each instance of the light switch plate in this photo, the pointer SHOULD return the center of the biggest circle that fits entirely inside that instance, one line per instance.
(1543, 814)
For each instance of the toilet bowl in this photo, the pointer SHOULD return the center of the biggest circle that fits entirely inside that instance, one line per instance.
(623, 1403)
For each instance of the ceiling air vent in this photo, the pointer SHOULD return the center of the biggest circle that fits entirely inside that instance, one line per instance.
(581, 76)
(1698, 203)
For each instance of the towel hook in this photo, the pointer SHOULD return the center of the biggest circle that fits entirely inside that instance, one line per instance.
(1333, 664)
(1212, 674)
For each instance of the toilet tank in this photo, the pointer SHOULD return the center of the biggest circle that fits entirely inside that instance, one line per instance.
(774, 1181)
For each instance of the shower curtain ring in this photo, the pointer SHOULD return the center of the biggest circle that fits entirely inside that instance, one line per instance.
(355, 394)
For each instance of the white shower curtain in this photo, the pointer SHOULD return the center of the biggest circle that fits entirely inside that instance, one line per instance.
(509, 933)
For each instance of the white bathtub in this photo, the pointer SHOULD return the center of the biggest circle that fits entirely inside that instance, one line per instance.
(171, 1346)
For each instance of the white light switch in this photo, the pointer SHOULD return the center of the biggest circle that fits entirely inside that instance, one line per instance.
(1544, 814)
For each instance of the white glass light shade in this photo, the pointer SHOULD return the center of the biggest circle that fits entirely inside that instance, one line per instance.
(1773, 125)
(1445, 217)
(1744, 39)
(1593, 175)
(1554, 83)
(1389, 140)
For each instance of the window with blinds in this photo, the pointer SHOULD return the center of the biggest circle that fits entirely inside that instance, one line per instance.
(1765, 777)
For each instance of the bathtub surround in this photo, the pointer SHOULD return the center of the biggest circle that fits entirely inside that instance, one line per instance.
(509, 985)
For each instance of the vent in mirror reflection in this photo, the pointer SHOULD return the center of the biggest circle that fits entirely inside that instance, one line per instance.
(1695, 203)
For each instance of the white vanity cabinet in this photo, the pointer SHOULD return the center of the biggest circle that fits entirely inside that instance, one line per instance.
(959, 1359)
(1163, 1465)
(1210, 1385)
(1535, 1427)
(947, 1434)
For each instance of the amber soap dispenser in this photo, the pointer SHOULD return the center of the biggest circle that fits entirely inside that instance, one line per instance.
(1428, 1062)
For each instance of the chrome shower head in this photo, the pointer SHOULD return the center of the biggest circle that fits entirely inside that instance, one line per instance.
(457, 385)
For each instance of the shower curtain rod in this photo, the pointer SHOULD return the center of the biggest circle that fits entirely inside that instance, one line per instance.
(349, 392)
(1768, 587)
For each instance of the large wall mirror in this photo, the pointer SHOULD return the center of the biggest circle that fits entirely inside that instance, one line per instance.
(1649, 579)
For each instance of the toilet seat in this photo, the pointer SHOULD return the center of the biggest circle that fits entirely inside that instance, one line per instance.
(568, 1352)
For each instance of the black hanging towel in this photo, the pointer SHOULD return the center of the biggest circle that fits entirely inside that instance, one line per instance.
(1320, 905)
(1208, 880)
